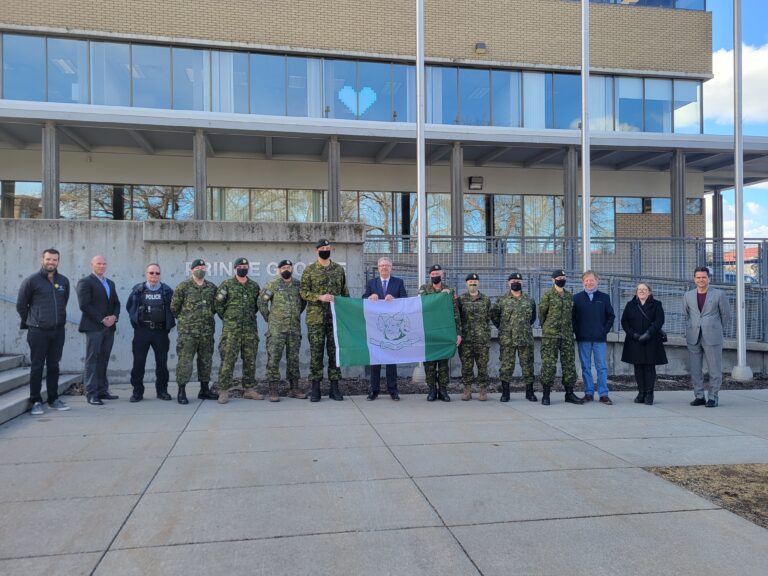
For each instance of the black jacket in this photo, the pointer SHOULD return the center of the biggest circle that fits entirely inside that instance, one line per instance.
(635, 324)
(592, 319)
(42, 303)
(94, 303)
(134, 302)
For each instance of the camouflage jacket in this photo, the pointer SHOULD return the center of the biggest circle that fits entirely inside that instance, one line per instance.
(193, 307)
(556, 314)
(284, 313)
(475, 318)
(430, 289)
(237, 304)
(318, 280)
(514, 317)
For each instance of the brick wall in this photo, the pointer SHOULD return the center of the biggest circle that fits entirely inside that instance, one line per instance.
(657, 225)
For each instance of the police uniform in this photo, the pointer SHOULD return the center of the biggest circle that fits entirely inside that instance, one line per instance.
(475, 312)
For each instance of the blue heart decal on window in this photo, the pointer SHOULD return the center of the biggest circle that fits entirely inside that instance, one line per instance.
(350, 98)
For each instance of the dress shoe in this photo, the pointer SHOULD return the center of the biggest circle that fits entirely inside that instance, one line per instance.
(606, 400)
(372, 395)
(95, 401)
(164, 396)
(698, 402)
(108, 396)
(134, 398)
(711, 403)
(589, 397)
(394, 395)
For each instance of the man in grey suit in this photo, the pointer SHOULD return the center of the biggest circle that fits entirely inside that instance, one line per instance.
(707, 313)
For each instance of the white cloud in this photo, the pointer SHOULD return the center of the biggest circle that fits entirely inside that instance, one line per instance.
(753, 208)
(754, 227)
(718, 92)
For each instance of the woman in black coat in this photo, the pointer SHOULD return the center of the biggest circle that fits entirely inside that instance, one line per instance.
(642, 320)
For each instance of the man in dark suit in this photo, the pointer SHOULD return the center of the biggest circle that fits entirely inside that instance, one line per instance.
(100, 306)
(385, 287)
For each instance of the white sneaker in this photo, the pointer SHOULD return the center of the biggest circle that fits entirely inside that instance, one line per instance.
(59, 405)
(37, 409)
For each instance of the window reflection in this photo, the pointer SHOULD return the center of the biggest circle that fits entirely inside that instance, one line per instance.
(403, 93)
(341, 97)
(151, 70)
(475, 97)
(476, 209)
(506, 98)
(629, 104)
(153, 202)
(629, 205)
(374, 91)
(74, 200)
(305, 206)
(304, 92)
(268, 84)
(600, 102)
(658, 105)
(23, 67)
(26, 198)
(110, 74)
(268, 205)
(534, 100)
(442, 95)
(110, 202)
(687, 106)
(508, 218)
(376, 211)
(567, 101)
(67, 71)
(191, 79)
(229, 79)
(349, 208)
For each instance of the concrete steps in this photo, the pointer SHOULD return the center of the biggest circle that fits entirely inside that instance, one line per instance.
(14, 387)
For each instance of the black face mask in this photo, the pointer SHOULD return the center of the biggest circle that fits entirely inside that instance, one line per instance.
(515, 286)
(324, 254)
(286, 274)
(437, 279)
(242, 272)
(560, 283)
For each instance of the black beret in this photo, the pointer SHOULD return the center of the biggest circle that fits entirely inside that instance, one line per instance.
(241, 261)
(284, 263)
(322, 242)
(197, 262)
(435, 268)
(515, 276)
(472, 276)
(558, 273)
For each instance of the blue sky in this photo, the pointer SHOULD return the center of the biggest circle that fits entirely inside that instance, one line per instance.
(718, 103)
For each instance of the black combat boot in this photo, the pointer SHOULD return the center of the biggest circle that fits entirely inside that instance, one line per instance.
(529, 393)
(335, 393)
(649, 392)
(504, 392)
(571, 398)
(315, 395)
(206, 393)
(641, 392)
(545, 395)
(442, 393)
(432, 395)
(181, 397)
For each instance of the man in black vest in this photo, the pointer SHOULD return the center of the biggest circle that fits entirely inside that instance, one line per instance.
(149, 308)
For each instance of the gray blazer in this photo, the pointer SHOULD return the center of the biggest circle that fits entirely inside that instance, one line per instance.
(710, 322)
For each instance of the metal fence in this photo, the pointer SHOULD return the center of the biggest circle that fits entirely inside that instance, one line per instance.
(666, 264)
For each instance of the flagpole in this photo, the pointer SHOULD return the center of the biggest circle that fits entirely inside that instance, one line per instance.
(586, 228)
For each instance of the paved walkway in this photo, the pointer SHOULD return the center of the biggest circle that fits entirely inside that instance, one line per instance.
(376, 488)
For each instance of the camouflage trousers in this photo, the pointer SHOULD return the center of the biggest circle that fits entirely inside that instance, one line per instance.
(437, 372)
(474, 354)
(189, 345)
(507, 360)
(550, 347)
(236, 344)
(320, 341)
(276, 343)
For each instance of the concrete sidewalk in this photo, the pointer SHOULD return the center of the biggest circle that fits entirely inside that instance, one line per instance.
(376, 488)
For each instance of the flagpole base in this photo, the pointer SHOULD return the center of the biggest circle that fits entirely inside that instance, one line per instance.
(419, 376)
(741, 373)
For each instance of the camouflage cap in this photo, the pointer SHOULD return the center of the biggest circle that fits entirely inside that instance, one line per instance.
(241, 262)
(515, 276)
(472, 276)
(197, 262)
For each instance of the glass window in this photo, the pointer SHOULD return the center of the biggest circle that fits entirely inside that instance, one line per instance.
(405, 212)
(374, 91)
(305, 205)
(403, 93)
(27, 199)
(505, 98)
(534, 100)
(442, 95)
(629, 104)
(184, 203)
(601, 103)
(567, 95)
(23, 67)
(694, 206)
(110, 202)
(229, 82)
(507, 215)
(305, 96)
(691, 4)
(376, 211)
(67, 71)
(152, 202)
(191, 79)
(539, 216)
(438, 214)
(348, 206)
(151, 69)
(661, 205)
(268, 205)
(602, 220)
(268, 84)
(687, 106)
(658, 105)
(110, 74)
(474, 215)
(233, 204)
(475, 97)
(341, 98)
(74, 201)
(629, 205)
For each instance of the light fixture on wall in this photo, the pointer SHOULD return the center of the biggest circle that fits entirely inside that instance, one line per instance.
(475, 182)
(480, 48)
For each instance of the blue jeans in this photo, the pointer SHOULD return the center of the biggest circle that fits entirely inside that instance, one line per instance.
(586, 351)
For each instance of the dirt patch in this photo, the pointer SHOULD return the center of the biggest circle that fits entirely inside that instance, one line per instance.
(740, 488)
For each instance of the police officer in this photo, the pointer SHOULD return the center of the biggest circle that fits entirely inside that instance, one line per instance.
(514, 314)
(320, 282)
(149, 308)
(437, 371)
(237, 305)
(281, 305)
(556, 317)
(193, 306)
(475, 312)
(42, 307)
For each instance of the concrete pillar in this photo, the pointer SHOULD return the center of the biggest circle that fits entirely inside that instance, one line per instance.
(334, 179)
(50, 157)
(570, 205)
(200, 158)
(8, 198)
(457, 190)
(677, 193)
(717, 235)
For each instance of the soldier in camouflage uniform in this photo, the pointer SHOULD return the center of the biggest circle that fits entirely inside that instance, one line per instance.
(514, 314)
(321, 281)
(193, 307)
(475, 312)
(284, 328)
(237, 305)
(437, 371)
(556, 317)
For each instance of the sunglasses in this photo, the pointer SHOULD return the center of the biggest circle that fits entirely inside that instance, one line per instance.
(154, 273)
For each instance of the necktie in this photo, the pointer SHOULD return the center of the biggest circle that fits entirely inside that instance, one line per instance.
(384, 286)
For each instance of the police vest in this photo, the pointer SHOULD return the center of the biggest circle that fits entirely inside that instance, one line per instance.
(152, 308)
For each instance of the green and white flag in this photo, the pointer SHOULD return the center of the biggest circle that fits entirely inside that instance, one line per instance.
(400, 331)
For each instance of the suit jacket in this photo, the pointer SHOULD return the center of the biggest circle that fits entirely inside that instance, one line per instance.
(395, 287)
(94, 303)
(710, 322)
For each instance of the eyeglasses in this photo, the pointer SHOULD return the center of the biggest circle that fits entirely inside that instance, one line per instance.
(154, 273)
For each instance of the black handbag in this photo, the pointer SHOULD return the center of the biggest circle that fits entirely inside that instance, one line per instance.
(662, 334)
